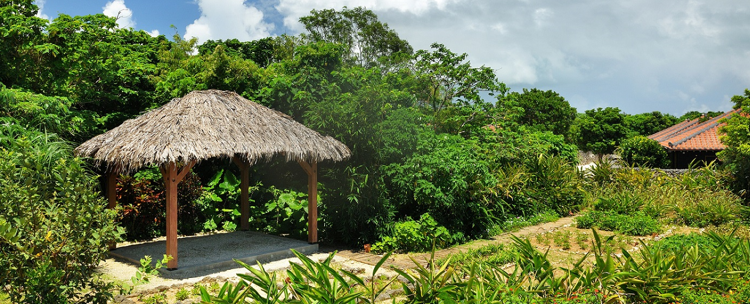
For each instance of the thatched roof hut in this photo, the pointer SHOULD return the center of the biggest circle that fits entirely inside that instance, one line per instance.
(209, 124)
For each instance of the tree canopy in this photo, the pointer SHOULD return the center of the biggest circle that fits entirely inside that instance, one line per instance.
(544, 110)
(601, 130)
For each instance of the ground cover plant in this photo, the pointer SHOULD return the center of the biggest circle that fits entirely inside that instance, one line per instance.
(638, 201)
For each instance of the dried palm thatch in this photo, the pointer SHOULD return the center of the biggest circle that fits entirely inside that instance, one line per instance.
(208, 124)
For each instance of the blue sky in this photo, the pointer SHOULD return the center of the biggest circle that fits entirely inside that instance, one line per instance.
(671, 56)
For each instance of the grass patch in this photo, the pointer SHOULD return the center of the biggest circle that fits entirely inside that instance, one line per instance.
(516, 223)
(493, 254)
(638, 223)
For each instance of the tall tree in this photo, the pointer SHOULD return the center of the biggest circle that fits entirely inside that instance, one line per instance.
(260, 51)
(22, 46)
(367, 41)
(646, 124)
(446, 78)
(544, 110)
(103, 68)
(601, 130)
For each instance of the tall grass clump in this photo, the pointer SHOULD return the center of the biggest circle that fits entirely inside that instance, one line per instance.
(697, 198)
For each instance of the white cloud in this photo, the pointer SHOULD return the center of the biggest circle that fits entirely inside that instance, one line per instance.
(153, 33)
(294, 9)
(226, 19)
(633, 54)
(541, 15)
(687, 22)
(500, 27)
(40, 4)
(117, 9)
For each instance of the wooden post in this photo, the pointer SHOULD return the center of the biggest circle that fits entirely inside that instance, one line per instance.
(112, 196)
(245, 193)
(112, 189)
(312, 200)
(172, 178)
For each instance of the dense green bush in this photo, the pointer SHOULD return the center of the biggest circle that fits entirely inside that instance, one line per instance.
(285, 213)
(448, 179)
(57, 227)
(415, 236)
(643, 151)
(555, 184)
(736, 156)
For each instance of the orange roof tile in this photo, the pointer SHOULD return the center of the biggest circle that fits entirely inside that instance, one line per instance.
(692, 135)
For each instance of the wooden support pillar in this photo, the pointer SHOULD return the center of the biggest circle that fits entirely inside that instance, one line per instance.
(112, 189)
(112, 197)
(244, 193)
(172, 177)
(312, 200)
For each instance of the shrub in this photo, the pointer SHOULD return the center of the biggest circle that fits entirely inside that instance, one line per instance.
(697, 198)
(143, 202)
(678, 241)
(643, 151)
(415, 236)
(620, 203)
(286, 213)
(703, 208)
(555, 184)
(448, 179)
(56, 227)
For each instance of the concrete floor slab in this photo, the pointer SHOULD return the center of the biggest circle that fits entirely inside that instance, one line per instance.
(203, 255)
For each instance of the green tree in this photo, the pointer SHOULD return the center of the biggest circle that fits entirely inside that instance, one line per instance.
(260, 51)
(601, 130)
(695, 114)
(446, 78)
(23, 50)
(367, 41)
(544, 110)
(646, 124)
(736, 138)
(642, 151)
(221, 69)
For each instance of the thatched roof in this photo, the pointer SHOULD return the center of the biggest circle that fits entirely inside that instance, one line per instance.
(208, 124)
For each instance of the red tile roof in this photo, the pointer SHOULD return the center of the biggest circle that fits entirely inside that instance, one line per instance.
(692, 135)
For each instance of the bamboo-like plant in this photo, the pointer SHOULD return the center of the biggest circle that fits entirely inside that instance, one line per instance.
(431, 284)
(372, 292)
(313, 282)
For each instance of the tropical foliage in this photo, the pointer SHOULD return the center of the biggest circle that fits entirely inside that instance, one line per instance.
(434, 162)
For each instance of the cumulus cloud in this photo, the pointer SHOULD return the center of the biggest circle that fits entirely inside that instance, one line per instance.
(635, 55)
(153, 33)
(294, 9)
(117, 9)
(226, 19)
(40, 4)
